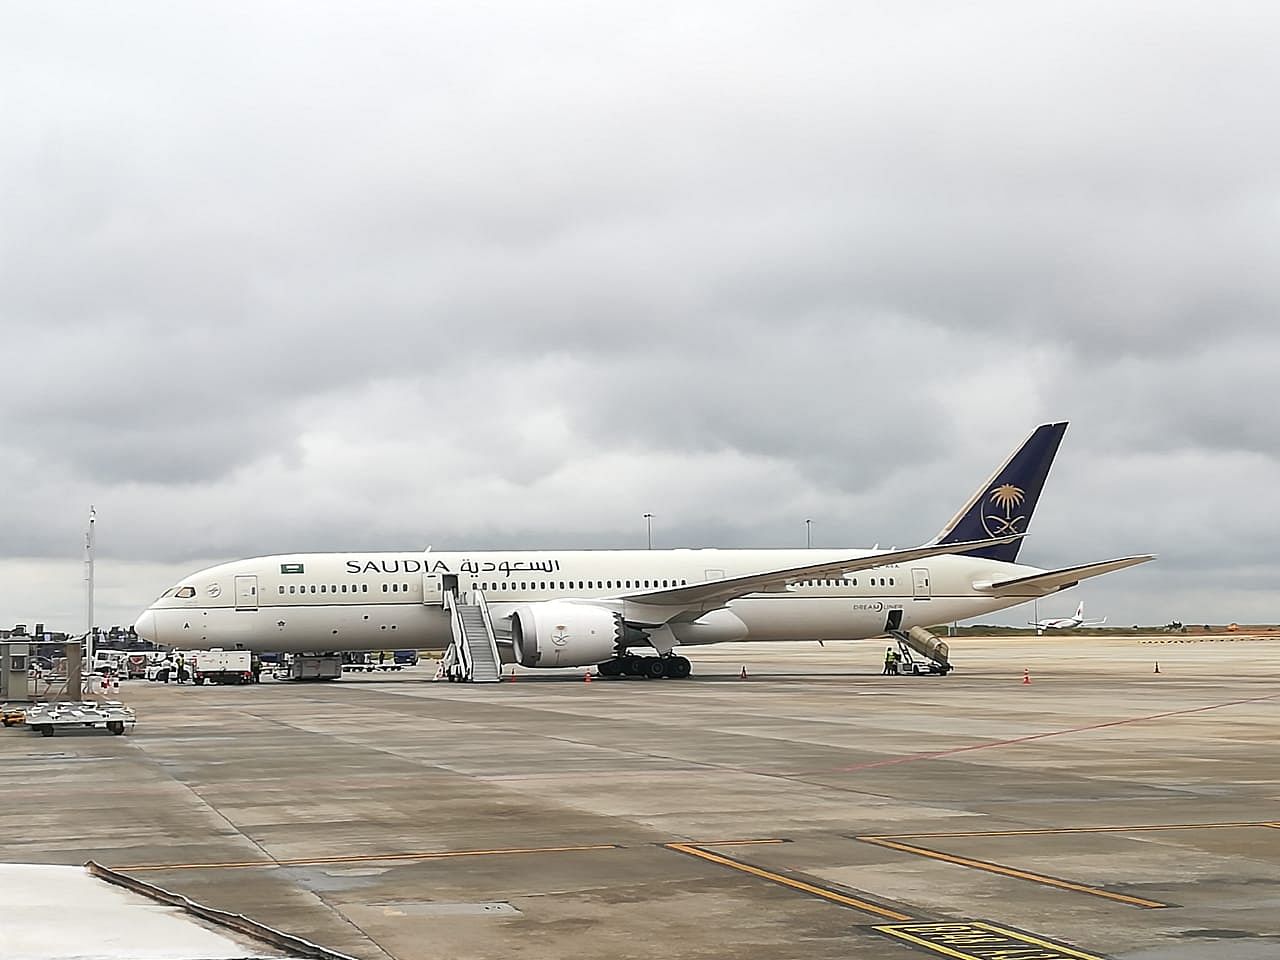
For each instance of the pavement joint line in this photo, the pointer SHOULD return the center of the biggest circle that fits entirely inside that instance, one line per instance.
(369, 858)
(420, 855)
(1013, 741)
(1051, 831)
(998, 868)
(783, 880)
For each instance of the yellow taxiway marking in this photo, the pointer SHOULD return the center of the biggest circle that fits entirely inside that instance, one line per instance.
(980, 941)
(809, 888)
(369, 858)
(990, 867)
(734, 843)
(1051, 831)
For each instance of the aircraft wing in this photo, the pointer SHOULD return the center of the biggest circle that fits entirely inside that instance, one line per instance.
(716, 593)
(1053, 580)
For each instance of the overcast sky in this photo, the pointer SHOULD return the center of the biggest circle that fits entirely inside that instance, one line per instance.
(306, 276)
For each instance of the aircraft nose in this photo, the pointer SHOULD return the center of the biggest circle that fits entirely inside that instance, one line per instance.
(145, 627)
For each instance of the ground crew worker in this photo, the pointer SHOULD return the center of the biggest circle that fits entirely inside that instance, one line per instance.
(893, 667)
(888, 661)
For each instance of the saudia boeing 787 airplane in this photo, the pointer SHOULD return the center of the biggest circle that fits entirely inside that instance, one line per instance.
(627, 612)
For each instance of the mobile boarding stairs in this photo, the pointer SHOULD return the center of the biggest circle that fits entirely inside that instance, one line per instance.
(472, 656)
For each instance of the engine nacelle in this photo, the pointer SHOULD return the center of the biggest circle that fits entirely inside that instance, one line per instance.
(559, 634)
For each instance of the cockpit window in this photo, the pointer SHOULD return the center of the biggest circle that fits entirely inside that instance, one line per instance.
(185, 593)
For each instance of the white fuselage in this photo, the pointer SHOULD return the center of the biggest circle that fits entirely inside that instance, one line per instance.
(320, 602)
(1065, 623)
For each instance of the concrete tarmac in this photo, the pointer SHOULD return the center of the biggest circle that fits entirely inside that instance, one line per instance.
(815, 809)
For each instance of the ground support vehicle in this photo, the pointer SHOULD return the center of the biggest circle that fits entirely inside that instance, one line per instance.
(309, 666)
(162, 670)
(223, 666)
(46, 718)
(133, 666)
(371, 662)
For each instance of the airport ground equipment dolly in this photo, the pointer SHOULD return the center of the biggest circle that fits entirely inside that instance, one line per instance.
(12, 716)
(931, 653)
(113, 716)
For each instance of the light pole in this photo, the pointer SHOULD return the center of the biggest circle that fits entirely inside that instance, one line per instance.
(808, 534)
(648, 525)
(88, 583)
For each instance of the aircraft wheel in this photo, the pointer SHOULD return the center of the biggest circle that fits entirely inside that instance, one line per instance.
(654, 668)
(610, 668)
(677, 668)
(633, 665)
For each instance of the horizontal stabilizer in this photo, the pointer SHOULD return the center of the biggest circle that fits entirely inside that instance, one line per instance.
(1052, 580)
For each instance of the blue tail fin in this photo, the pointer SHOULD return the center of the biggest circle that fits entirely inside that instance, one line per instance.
(1004, 504)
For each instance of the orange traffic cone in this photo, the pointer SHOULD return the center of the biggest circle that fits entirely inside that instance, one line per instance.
(1026, 675)
(586, 677)
(743, 674)
(512, 678)
(1157, 666)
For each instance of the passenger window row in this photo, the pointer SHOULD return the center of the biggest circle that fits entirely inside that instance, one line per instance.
(853, 582)
(327, 588)
(507, 585)
(580, 584)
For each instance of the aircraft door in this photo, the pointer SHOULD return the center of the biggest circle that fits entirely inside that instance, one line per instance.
(920, 583)
(432, 589)
(246, 593)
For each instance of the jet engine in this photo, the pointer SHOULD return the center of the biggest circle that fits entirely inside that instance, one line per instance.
(559, 634)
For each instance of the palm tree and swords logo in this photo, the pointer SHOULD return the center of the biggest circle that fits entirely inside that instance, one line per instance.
(1008, 498)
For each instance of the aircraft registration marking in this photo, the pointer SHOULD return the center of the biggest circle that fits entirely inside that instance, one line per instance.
(977, 940)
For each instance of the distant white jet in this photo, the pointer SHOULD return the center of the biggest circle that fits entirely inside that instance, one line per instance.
(1066, 623)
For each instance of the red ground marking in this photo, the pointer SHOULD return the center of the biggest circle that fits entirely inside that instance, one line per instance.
(935, 754)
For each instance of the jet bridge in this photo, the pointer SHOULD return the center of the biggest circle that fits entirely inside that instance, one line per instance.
(472, 656)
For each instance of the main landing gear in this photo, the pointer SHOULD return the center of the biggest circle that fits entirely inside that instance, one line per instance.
(650, 668)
